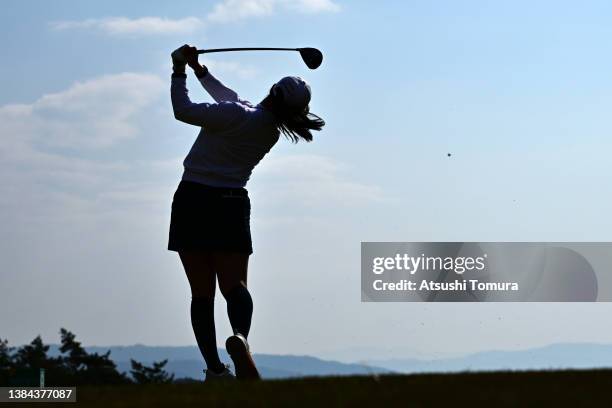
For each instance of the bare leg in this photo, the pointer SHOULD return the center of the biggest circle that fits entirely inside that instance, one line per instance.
(200, 273)
(231, 269)
(201, 276)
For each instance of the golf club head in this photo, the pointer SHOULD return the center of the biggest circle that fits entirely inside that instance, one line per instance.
(311, 56)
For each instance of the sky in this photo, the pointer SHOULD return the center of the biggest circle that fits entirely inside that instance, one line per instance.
(518, 92)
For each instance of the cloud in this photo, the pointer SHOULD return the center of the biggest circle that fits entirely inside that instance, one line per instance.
(314, 6)
(310, 181)
(57, 174)
(227, 67)
(233, 10)
(90, 114)
(223, 12)
(136, 26)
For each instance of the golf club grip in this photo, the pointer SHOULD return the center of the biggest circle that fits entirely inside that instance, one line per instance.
(207, 51)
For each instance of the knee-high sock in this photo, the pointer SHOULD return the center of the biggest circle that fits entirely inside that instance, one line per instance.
(203, 322)
(240, 309)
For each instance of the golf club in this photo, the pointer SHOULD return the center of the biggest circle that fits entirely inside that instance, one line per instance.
(311, 56)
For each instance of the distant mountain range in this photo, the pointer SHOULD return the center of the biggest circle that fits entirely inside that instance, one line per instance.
(186, 362)
(556, 356)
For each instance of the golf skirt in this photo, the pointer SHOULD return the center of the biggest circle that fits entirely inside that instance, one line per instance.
(206, 218)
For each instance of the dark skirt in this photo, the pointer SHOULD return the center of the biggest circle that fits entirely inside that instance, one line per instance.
(206, 218)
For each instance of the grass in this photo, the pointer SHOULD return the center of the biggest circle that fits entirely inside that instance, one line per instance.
(496, 389)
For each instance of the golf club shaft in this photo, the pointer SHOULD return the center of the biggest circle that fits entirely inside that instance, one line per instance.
(245, 49)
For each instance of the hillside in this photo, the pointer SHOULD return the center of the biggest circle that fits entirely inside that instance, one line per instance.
(554, 356)
(186, 361)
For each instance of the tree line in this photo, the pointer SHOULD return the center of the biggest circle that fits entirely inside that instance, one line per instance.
(74, 366)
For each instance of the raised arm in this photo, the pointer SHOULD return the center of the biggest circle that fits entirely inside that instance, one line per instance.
(207, 115)
(219, 92)
(216, 89)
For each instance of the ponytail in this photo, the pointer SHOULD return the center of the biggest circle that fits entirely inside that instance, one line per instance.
(294, 125)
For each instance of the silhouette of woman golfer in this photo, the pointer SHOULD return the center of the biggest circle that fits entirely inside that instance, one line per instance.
(210, 226)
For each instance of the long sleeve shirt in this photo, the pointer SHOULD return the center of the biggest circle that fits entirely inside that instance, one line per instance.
(234, 134)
